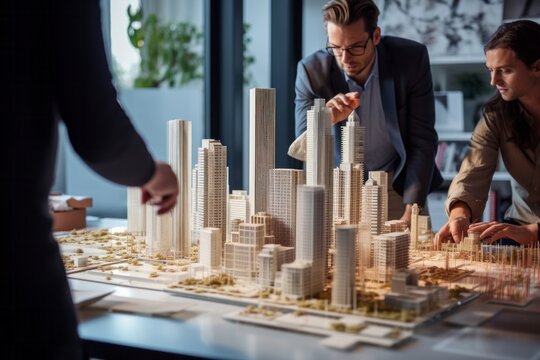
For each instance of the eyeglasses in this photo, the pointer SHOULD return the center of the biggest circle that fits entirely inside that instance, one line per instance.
(356, 50)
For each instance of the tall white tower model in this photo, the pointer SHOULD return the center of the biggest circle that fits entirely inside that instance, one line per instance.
(310, 242)
(262, 127)
(282, 203)
(136, 211)
(180, 161)
(349, 177)
(343, 285)
(320, 162)
(211, 204)
(414, 226)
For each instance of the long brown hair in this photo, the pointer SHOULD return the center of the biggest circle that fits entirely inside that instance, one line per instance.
(523, 37)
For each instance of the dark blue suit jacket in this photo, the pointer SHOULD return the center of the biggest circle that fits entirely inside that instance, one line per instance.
(407, 98)
(53, 65)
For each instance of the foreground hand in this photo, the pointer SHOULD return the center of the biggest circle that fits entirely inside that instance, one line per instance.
(454, 230)
(342, 105)
(162, 189)
(493, 231)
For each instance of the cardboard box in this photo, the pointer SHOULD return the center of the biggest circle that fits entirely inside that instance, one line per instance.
(73, 214)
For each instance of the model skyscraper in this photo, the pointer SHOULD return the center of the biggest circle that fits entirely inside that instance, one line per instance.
(136, 211)
(343, 284)
(349, 176)
(262, 124)
(320, 163)
(180, 161)
(211, 188)
(237, 209)
(282, 188)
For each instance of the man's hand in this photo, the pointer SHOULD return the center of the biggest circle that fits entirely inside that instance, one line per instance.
(162, 189)
(407, 215)
(342, 105)
(493, 231)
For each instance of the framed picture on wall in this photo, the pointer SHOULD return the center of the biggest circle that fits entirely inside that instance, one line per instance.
(521, 9)
(449, 111)
(445, 27)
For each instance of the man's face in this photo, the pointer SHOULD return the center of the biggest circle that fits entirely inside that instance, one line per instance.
(512, 78)
(353, 35)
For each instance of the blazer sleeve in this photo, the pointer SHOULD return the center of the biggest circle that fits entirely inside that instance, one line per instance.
(421, 138)
(472, 183)
(98, 128)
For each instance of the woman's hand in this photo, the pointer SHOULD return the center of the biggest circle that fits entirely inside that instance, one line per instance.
(493, 231)
(454, 230)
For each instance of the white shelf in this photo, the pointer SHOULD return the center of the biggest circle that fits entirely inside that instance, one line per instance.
(498, 176)
(457, 59)
(454, 136)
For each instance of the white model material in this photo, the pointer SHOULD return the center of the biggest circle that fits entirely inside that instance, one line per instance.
(263, 218)
(240, 258)
(136, 211)
(332, 328)
(390, 253)
(262, 125)
(179, 132)
(394, 226)
(320, 164)
(365, 247)
(349, 177)
(80, 261)
(237, 209)
(372, 201)
(158, 233)
(210, 248)
(296, 280)
(211, 204)
(310, 242)
(271, 258)
(414, 230)
(282, 187)
(381, 179)
(344, 280)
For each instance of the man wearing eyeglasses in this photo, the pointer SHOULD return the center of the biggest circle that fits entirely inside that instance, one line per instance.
(390, 79)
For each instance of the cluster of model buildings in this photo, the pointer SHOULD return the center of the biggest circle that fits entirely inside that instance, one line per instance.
(293, 227)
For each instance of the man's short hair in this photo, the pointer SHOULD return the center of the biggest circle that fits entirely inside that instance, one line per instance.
(346, 12)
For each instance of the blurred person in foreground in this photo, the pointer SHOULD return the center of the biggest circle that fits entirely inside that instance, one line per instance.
(53, 60)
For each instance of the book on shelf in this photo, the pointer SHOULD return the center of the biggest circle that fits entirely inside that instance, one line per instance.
(449, 156)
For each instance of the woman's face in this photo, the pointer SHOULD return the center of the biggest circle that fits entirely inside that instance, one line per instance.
(512, 78)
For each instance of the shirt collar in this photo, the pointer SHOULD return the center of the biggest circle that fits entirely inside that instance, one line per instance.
(374, 74)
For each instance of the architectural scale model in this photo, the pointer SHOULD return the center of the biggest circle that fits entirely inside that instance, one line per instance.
(312, 252)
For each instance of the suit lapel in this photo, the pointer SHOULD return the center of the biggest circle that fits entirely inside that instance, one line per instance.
(388, 98)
